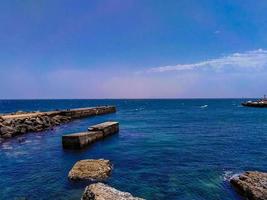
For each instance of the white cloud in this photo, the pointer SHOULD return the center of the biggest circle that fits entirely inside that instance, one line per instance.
(250, 60)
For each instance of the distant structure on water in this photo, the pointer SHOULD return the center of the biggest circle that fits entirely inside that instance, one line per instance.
(260, 103)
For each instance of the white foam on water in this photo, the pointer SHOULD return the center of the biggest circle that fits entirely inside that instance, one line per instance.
(7, 147)
(15, 154)
(204, 106)
(27, 141)
(137, 109)
(227, 175)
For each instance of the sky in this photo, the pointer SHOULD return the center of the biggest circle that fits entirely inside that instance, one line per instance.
(133, 49)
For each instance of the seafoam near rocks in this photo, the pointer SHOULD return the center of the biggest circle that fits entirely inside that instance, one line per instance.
(94, 170)
(100, 191)
(251, 184)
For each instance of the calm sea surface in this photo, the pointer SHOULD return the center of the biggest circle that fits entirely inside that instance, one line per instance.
(166, 149)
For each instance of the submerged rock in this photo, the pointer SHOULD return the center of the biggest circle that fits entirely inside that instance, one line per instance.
(252, 185)
(91, 170)
(100, 191)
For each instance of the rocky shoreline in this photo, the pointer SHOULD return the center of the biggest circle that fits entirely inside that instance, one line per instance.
(251, 184)
(22, 122)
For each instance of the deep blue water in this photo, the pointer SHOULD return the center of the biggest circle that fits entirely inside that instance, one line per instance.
(166, 149)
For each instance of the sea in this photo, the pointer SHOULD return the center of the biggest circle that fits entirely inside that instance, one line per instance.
(175, 149)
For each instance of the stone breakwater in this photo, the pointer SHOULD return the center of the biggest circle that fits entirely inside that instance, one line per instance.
(22, 122)
(251, 184)
(94, 133)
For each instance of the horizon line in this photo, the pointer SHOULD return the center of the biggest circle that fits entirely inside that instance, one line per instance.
(163, 98)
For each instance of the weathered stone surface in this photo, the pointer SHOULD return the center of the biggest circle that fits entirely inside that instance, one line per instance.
(100, 191)
(80, 140)
(91, 170)
(107, 127)
(94, 133)
(252, 185)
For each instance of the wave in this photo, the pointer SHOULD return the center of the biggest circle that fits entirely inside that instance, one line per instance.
(204, 106)
(229, 175)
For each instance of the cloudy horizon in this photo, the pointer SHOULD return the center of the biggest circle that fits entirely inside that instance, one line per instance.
(133, 49)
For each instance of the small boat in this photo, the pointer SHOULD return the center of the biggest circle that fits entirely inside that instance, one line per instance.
(260, 103)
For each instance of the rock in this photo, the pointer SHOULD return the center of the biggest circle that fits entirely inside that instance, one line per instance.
(91, 170)
(38, 128)
(252, 185)
(39, 121)
(30, 128)
(28, 122)
(100, 191)
(18, 121)
(21, 128)
(7, 122)
(7, 130)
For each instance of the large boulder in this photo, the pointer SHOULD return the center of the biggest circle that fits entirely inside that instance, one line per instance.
(94, 170)
(251, 184)
(100, 191)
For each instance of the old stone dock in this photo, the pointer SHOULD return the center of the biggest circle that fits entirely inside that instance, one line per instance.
(94, 133)
(22, 122)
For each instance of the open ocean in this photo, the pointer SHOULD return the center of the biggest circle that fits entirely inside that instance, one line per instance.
(166, 149)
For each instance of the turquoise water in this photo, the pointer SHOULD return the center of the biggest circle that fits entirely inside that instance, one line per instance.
(166, 149)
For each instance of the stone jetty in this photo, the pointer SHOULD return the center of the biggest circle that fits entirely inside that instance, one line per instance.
(22, 122)
(251, 184)
(93, 170)
(100, 191)
(94, 133)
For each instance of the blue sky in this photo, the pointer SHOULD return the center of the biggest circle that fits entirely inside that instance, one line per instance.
(133, 48)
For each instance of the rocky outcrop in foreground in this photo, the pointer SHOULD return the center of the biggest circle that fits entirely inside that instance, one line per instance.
(252, 185)
(100, 191)
(94, 170)
(13, 124)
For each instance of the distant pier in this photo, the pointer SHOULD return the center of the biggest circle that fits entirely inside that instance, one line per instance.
(260, 103)
(22, 122)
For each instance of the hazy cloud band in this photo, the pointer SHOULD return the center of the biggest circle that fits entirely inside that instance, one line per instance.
(250, 60)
